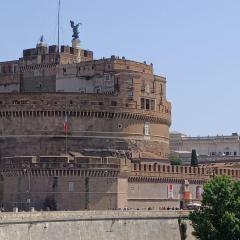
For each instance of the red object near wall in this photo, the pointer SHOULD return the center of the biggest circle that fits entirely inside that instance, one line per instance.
(187, 196)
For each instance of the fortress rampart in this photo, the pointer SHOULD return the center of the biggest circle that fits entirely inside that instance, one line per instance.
(94, 225)
(78, 182)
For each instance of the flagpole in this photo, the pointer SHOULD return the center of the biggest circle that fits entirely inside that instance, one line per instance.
(66, 143)
(59, 7)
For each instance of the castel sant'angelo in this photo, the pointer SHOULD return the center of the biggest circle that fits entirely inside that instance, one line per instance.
(79, 133)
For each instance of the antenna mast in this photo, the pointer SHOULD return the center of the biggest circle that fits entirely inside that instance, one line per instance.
(59, 7)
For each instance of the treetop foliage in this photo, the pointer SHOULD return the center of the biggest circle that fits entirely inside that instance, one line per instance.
(194, 160)
(219, 217)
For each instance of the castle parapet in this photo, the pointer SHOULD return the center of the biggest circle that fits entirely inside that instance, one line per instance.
(182, 172)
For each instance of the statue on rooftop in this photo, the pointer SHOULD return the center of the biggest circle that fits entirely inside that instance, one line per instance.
(75, 29)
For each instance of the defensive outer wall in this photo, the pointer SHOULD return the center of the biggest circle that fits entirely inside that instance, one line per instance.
(102, 225)
(95, 183)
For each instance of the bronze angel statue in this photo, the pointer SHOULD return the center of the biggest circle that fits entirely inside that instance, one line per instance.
(75, 29)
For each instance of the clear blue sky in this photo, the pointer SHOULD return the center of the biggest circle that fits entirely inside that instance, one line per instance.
(195, 44)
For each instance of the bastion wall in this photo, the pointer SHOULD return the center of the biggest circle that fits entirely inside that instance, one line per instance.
(90, 225)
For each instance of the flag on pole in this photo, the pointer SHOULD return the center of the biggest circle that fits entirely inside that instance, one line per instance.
(66, 124)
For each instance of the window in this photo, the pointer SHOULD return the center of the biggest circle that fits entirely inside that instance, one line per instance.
(146, 129)
(147, 88)
(147, 104)
(153, 105)
(130, 81)
(142, 103)
(161, 89)
(71, 187)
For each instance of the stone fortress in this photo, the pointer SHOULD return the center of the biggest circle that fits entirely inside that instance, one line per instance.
(113, 151)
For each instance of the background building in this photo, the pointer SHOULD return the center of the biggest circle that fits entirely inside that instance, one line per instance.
(209, 148)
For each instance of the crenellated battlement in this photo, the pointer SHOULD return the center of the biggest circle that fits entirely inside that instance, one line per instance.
(102, 167)
(157, 172)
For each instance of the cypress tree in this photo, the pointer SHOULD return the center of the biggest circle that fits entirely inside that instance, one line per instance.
(194, 160)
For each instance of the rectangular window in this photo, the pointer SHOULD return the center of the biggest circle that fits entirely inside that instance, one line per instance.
(71, 187)
(130, 81)
(142, 103)
(153, 105)
(146, 129)
(147, 104)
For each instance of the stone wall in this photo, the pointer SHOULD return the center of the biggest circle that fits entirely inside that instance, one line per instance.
(111, 225)
(36, 121)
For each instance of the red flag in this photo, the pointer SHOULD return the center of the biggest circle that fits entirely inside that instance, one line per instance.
(66, 124)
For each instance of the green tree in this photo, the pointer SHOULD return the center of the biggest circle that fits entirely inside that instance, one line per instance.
(194, 160)
(174, 160)
(219, 217)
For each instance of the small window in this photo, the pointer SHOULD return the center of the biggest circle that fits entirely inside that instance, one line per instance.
(113, 103)
(130, 81)
(71, 187)
(142, 103)
(146, 129)
(147, 104)
(153, 105)
(161, 89)
(147, 88)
